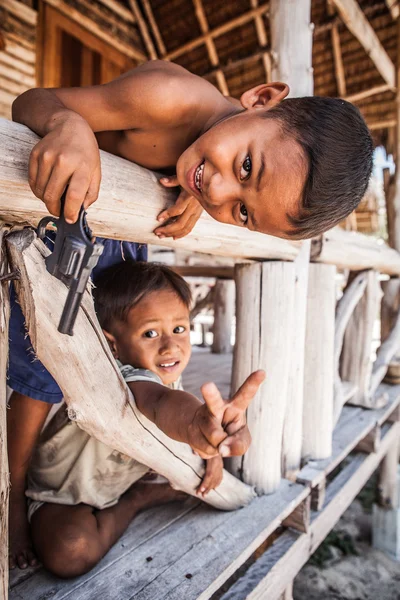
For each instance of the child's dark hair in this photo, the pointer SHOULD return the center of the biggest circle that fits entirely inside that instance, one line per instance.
(338, 148)
(122, 286)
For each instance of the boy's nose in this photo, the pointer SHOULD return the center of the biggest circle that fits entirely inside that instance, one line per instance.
(220, 191)
(168, 344)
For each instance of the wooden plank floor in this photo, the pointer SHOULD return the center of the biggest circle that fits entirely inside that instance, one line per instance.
(187, 551)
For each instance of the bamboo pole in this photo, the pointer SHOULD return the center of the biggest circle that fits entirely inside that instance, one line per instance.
(154, 27)
(211, 49)
(148, 42)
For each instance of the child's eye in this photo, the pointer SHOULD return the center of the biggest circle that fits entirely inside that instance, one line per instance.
(151, 333)
(245, 171)
(243, 213)
(179, 329)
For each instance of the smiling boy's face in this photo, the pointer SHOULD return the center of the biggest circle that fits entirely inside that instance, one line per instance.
(155, 336)
(246, 171)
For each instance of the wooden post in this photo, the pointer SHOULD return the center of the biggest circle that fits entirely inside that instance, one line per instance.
(356, 363)
(4, 474)
(291, 31)
(319, 362)
(264, 316)
(97, 397)
(224, 311)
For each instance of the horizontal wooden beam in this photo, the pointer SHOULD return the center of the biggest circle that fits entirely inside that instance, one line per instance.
(217, 31)
(378, 89)
(20, 10)
(355, 20)
(131, 198)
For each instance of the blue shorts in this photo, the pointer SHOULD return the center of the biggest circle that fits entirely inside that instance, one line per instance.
(26, 374)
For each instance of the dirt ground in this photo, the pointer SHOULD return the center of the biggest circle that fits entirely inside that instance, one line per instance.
(346, 567)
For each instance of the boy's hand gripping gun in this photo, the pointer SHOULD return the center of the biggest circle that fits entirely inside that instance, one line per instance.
(74, 256)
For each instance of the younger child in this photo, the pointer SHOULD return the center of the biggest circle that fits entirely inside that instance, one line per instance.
(82, 496)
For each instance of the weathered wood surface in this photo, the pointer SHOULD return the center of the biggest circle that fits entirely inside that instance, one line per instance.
(192, 551)
(318, 363)
(269, 576)
(97, 397)
(293, 426)
(264, 316)
(354, 18)
(386, 352)
(4, 473)
(356, 359)
(224, 311)
(353, 426)
(354, 251)
(130, 200)
(344, 309)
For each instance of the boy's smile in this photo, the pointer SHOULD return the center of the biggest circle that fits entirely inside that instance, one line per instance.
(245, 171)
(155, 336)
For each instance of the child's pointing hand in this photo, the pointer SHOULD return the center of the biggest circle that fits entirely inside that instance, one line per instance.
(232, 413)
(180, 218)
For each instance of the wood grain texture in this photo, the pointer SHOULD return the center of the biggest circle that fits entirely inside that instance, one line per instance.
(319, 362)
(224, 312)
(4, 472)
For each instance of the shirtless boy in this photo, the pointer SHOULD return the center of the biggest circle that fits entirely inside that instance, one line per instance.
(291, 168)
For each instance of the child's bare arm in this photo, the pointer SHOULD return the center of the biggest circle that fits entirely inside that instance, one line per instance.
(179, 415)
(212, 477)
(68, 117)
(25, 420)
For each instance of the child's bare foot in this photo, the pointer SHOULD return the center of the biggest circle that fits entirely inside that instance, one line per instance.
(20, 546)
(212, 477)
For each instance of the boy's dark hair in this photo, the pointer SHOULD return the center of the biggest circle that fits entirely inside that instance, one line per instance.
(338, 148)
(120, 287)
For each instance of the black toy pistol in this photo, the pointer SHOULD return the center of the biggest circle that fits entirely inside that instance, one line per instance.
(74, 256)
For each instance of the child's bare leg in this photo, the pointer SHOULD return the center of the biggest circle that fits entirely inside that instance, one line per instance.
(25, 420)
(70, 540)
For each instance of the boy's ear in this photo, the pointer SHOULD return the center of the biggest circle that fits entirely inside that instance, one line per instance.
(112, 342)
(265, 95)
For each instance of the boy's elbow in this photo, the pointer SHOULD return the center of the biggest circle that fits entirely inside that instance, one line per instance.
(19, 106)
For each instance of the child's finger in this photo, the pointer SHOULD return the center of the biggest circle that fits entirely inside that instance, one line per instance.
(236, 444)
(248, 390)
(76, 194)
(213, 399)
(169, 181)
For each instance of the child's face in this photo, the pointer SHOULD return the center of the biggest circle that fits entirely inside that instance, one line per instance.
(249, 173)
(155, 336)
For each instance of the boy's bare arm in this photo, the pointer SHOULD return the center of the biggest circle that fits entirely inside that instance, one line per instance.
(153, 98)
(214, 427)
(179, 415)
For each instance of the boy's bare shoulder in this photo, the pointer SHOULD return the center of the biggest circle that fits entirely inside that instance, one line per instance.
(157, 93)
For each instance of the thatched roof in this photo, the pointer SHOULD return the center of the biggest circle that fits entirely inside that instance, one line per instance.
(241, 50)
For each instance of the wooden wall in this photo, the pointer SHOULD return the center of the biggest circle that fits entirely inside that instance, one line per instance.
(23, 38)
(18, 24)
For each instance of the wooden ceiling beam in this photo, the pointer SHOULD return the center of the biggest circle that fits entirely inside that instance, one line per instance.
(355, 20)
(218, 31)
(263, 41)
(210, 45)
(154, 28)
(148, 42)
(338, 61)
(393, 6)
(119, 9)
(379, 89)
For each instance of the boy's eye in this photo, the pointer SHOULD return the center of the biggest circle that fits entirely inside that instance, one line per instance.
(243, 213)
(245, 170)
(151, 333)
(180, 329)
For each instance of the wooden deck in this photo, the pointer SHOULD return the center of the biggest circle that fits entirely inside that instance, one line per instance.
(188, 551)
